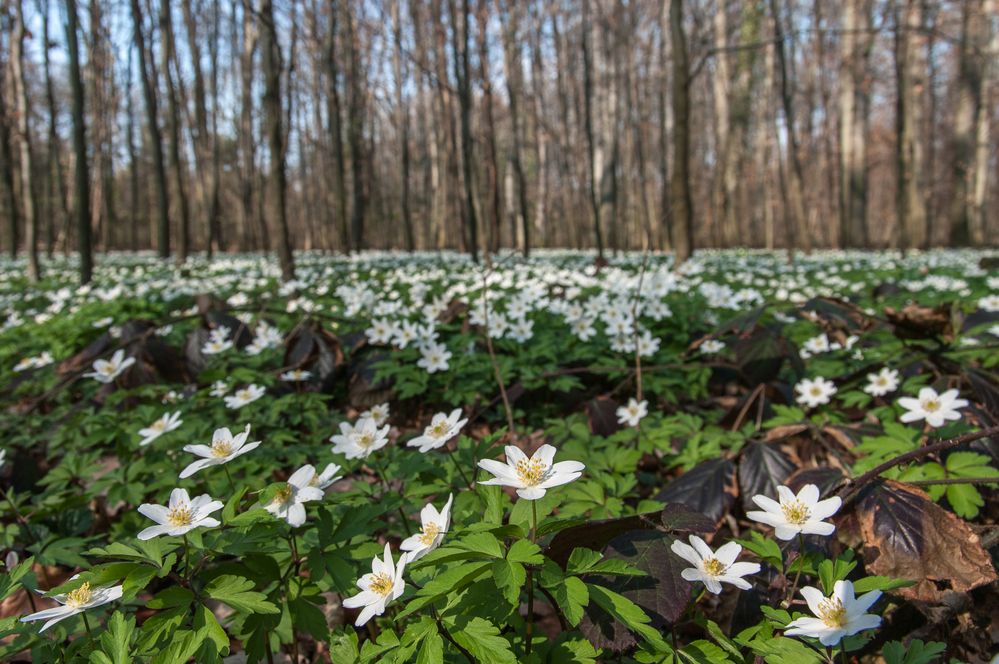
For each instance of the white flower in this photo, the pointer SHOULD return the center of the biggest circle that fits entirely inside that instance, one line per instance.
(442, 429)
(248, 394)
(360, 440)
(803, 513)
(327, 477)
(224, 448)
(712, 346)
(378, 588)
(989, 303)
(219, 389)
(841, 614)
(434, 358)
(169, 422)
(74, 602)
(882, 383)
(379, 413)
(435, 526)
(296, 375)
(935, 408)
(713, 568)
(106, 371)
(102, 322)
(288, 502)
(531, 477)
(815, 392)
(633, 413)
(181, 515)
(36, 362)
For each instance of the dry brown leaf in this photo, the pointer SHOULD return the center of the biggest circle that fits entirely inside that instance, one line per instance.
(908, 536)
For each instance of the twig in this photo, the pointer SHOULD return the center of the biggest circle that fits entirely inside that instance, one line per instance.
(853, 488)
(492, 354)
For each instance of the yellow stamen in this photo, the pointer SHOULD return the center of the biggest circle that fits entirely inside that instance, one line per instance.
(221, 448)
(79, 597)
(283, 495)
(531, 471)
(931, 405)
(795, 512)
(832, 612)
(381, 584)
(430, 532)
(180, 516)
(713, 566)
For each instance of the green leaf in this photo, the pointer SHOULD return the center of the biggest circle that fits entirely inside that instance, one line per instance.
(482, 639)
(965, 500)
(870, 583)
(204, 620)
(237, 592)
(894, 652)
(484, 543)
(509, 579)
(115, 641)
(526, 552)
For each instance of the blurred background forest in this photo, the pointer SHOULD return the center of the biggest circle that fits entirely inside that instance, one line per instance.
(202, 125)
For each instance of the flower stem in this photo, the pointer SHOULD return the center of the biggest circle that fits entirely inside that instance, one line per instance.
(232, 487)
(86, 623)
(842, 654)
(454, 460)
(797, 575)
(529, 628)
(187, 559)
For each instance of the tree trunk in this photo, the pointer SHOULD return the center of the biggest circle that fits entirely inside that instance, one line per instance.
(153, 129)
(82, 186)
(402, 127)
(491, 163)
(206, 177)
(173, 123)
(7, 170)
(910, 75)
(55, 187)
(853, 107)
(797, 226)
(273, 115)
(514, 84)
(462, 73)
(28, 199)
(591, 142)
(355, 134)
(681, 204)
(987, 84)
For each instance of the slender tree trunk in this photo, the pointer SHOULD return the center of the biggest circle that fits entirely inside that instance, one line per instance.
(491, 164)
(355, 133)
(462, 72)
(153, 130)
(203, 141)
(987, 83)
(173, 123)
(82, 194)
(28, 198)
(55, 187)
(910, 74)
(853, 107)
(7, 169)
(402, 127)
(590, 134)
(133, 165)
(514, 85)
(681, 203)
(273, 115)
(798, 221)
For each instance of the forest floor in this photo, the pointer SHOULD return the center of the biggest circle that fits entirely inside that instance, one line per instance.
(541, 460)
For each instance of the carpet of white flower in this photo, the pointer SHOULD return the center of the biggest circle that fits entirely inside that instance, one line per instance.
(539, 460)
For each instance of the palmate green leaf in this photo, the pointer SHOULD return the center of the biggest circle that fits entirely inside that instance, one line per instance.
(624, 610)
(882, 583)
(115, 641)
(450, 581)
(965, 500)
(237, 592)
(704, 652)
(482, 639)
(205, 620)
(10, 582)
(509, 577)
(526, 552)
(918, 652)
(484, 543)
